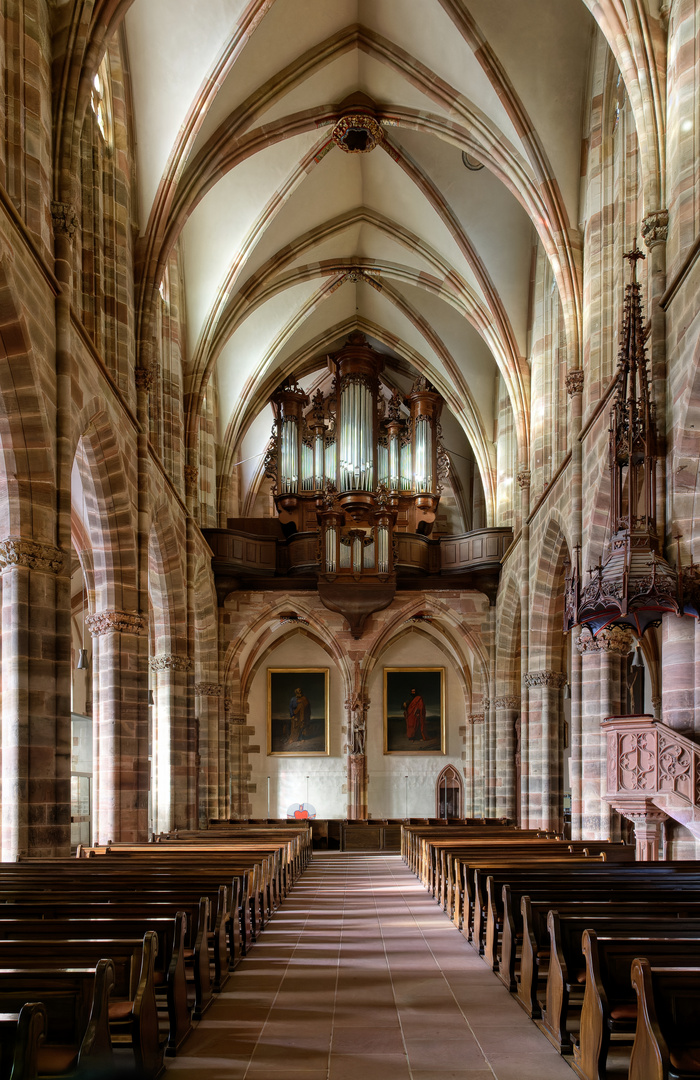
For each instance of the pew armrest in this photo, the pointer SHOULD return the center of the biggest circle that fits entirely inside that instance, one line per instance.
(96, 1046)
(31, 1030)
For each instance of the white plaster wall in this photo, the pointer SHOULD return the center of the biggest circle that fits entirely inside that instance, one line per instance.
(288, 783)
(390, 794)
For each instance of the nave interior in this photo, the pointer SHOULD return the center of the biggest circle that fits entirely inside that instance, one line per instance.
(349, 465)
(477, 950)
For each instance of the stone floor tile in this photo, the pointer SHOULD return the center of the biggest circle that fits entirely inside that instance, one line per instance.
(369, 1067)
(361, 976)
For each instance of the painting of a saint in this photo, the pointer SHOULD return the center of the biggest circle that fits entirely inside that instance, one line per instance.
(297, 711)
(414, 711)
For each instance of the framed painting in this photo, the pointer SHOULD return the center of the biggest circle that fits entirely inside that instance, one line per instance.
(414, 710)
(297, 712)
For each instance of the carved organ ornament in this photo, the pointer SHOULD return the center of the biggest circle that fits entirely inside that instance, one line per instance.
(634, 585)
(352, 463)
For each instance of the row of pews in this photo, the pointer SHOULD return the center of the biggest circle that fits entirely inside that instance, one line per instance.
(601, 952)
(107, 959)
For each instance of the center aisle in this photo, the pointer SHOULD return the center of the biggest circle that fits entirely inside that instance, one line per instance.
(361, 976)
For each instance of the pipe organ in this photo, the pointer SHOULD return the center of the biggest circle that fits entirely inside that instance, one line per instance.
(356, 465)
(356, 456)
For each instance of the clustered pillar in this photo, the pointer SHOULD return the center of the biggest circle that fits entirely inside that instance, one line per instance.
(120, 746)
(173, 748)
(35, 737)
(603, 676)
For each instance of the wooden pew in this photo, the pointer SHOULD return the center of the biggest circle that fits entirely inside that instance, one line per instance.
(609, 1003)
(68, 906)
(76, 1002)
(170, 980)
(255, 879)
(138, 885)
(567, 974)
(529, 981)
(132, 1010)
(521, 854)
(184, 887)
(565, 883)
(667, 1040)
(21, 1035)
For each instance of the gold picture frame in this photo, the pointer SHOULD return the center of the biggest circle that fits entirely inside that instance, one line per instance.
(413, 726)
(295, 727)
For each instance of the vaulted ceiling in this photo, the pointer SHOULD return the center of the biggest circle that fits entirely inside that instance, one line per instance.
(288, 243)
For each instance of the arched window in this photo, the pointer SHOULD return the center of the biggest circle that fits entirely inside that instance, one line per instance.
(449, 794)
(101, 99)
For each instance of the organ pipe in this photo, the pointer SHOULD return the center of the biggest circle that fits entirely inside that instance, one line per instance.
(353, 460)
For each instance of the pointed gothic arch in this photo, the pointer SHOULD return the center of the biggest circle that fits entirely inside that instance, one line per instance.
(449, 794)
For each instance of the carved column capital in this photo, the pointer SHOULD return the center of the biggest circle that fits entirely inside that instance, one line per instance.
(475, 718)
(208, 689)
(119, 622)
(574, 382)
(523, 478)
(655, 228)
(191, 479)
(613, 639)
(17, 552)
(145, 377)
(64, 218)
(170, 662)
(507, 703)
(555, 679)
(585, 642)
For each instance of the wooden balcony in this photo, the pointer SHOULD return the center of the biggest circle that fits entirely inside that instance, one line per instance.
(257, 555)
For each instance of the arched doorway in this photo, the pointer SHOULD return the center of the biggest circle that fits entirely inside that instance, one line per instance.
(448, 794)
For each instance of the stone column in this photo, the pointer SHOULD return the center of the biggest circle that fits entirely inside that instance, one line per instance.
(545, 747)
(507, 709)
(524, 484)
(476, 722)
(35, 735)
(65, 223)
(696, 679)
(120, 749)
(208, 703)
(603, 669)
(192, 487)
(357, 787)
(491, 732)
(237, 768)
(173, 744)
(574, 388)
(655, 233)
(678, 638)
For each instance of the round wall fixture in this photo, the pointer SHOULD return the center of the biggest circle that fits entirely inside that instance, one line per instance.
(471, 163)
(357, 133)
